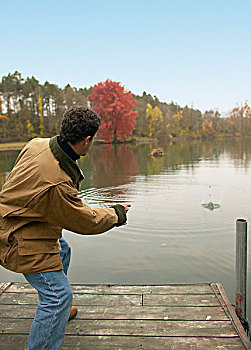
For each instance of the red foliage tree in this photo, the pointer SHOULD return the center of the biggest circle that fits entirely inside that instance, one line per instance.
(115, 106)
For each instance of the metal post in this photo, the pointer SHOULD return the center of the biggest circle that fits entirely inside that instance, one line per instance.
(241, 268)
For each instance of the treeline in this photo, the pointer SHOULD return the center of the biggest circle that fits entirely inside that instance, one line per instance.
(29, 109)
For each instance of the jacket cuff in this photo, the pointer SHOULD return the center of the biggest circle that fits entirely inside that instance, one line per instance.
(121, 213)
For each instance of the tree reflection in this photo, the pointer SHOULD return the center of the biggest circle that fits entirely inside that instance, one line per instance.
(109, 165)
(7, 160)
(114, 166)
(240, 152)
(182, 154)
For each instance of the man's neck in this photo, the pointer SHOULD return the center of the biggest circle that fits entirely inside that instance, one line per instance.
(67, 149)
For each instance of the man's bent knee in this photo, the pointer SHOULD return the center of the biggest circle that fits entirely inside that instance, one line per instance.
(68, 297)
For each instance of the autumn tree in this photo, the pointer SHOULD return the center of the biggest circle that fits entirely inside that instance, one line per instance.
(191, 120)
(220, 125)
(155, 120)
(207, 127)
(115, 106)
(240, 118)
(175, 123)
(142, 124)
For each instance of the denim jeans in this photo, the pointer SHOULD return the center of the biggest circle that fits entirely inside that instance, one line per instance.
(55, 301)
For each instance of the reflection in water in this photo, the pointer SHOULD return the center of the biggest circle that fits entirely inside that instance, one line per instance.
(108, 169)
(237, 149)
(115, 165)
(109, 165)
(7, 160)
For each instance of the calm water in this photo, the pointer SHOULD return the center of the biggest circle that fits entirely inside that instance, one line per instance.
(170, 236)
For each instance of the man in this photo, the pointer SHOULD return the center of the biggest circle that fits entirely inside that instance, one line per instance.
(37, 201)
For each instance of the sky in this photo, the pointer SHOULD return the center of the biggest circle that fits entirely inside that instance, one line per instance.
(191, 52)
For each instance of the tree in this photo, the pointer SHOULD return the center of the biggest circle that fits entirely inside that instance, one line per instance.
(207, 127)
(41, 120)
(1, 115)
(218, 123)
(175, 123)
(155, 120)
(11, 95)
(10, 88)
(240, 118)
(115, 106)
(191, 119)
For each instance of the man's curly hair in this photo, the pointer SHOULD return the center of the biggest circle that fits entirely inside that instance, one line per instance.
(79, 122)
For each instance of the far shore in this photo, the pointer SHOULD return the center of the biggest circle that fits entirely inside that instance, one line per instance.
(12, 146)
(18, 145)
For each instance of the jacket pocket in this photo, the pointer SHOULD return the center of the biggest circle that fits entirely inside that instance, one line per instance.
(39, 238)
(38, 246)
(40, 230)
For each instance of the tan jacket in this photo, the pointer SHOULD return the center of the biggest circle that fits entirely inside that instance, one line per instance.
(37, 201)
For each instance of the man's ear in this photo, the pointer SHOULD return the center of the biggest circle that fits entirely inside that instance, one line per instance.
(88, 139)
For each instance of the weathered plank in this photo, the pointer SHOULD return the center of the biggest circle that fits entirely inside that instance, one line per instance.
(18, 287)
(125, 312)
(127, 317)
(121, 299)
(19, 342)
(180, 300)
(133, 327)
(84, 299)
(233, 317)
(4, 286)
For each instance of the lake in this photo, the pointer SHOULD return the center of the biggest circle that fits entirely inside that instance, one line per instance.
(170, 236)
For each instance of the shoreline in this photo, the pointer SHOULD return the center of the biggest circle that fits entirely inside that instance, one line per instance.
(17, 146)
(12, 146)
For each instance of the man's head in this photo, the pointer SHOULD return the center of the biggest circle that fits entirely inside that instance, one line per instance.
(78, 128)
(79, 122)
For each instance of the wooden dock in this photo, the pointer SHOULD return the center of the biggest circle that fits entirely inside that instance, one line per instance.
(176, 316)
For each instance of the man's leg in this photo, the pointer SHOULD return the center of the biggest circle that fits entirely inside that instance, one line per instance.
(65, 254)
(55, 297)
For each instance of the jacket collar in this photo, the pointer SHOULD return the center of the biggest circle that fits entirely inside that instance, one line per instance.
(67, 149)
(65, 162)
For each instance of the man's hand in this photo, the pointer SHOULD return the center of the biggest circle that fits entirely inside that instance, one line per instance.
(121, 213)
(127, 206)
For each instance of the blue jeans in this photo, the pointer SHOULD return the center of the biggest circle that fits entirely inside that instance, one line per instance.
(55, 301)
